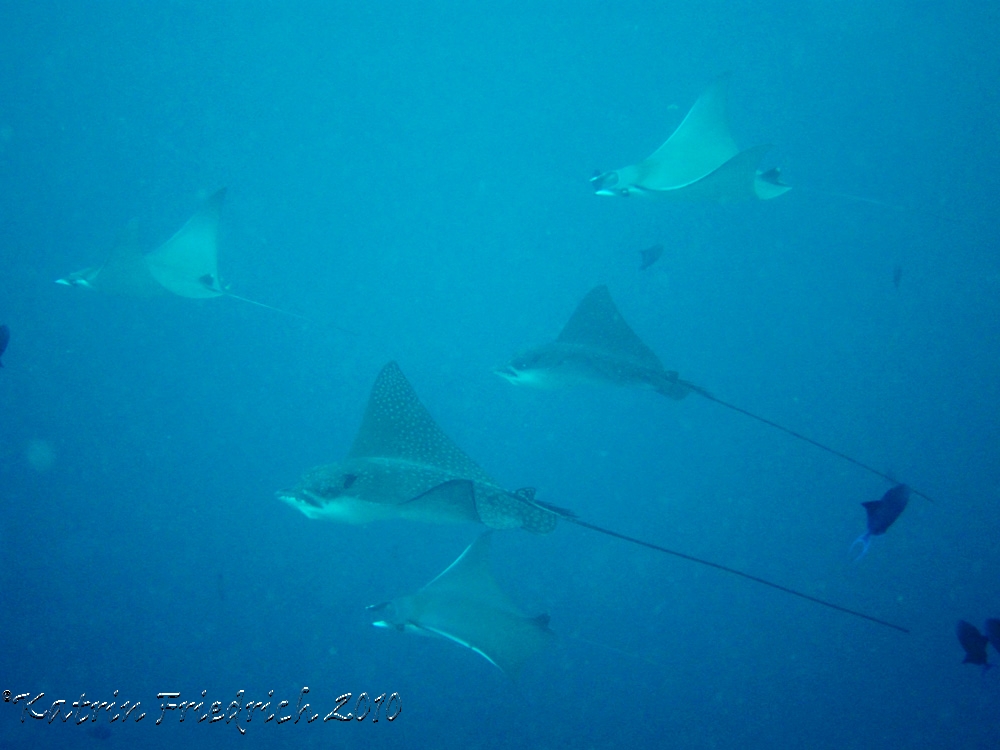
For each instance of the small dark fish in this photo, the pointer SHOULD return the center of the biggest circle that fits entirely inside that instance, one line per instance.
(881, 514)
(973, 642)
(650, 255)
(993, 633)
(99, 732)
(897, 276)
(4, 339)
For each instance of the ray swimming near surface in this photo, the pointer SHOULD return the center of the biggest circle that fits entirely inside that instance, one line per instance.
(185, 265)
(465, 605)
(881, 514)
(597, 346)
(403, 466)
(698, 162)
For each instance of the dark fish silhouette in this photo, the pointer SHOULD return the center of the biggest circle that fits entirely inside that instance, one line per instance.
(973, 642)
(403, 466)
(649, 256)
(4, 339)
(993, 633)
(882, 514)
(897, 276)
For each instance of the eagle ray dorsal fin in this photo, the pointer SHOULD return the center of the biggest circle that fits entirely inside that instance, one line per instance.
(397, 425)
(597, 324)
(181, 263)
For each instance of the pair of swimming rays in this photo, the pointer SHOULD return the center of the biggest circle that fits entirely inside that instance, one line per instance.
(185, 265)
(403, 466)
(698, 162)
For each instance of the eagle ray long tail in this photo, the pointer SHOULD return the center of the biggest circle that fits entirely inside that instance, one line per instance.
(615, 650)
(740, 573)
(809, 440)
(282, 311)
(915, 211)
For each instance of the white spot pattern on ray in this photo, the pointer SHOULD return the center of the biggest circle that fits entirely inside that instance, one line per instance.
(397, 425)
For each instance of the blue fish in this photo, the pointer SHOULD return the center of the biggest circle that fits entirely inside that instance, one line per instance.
(993, 633)
(4, 338)
(881, 515)
(973, 642)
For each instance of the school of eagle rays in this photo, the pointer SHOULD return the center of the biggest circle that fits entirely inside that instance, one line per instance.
(401, 465)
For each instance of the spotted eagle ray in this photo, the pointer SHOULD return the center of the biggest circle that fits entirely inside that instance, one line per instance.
(464, 604)
(185, 265)
(598, 346)
(699, 161)
(402, 465)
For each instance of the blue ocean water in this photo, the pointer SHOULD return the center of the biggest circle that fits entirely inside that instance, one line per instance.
(417, 174)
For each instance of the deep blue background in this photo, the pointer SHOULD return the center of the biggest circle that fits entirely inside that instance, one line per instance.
(417, 173)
